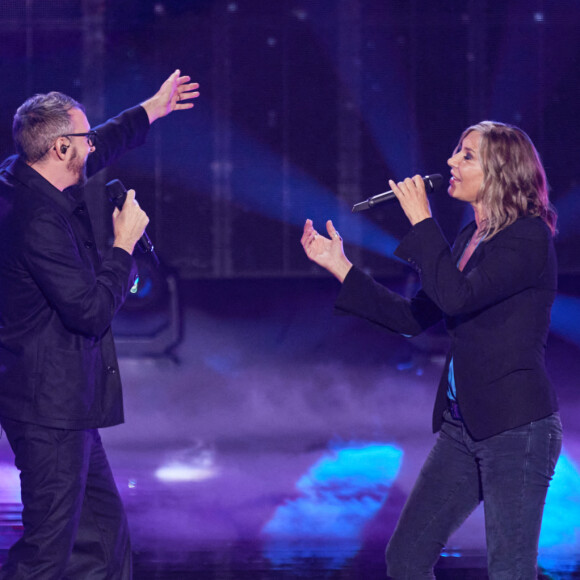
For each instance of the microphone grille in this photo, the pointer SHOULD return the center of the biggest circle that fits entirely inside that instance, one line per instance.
(433, 182)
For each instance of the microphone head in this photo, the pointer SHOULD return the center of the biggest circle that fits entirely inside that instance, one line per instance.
(433, 182)
(116, 192)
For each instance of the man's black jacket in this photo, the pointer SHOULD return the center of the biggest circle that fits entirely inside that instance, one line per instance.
(58, 296)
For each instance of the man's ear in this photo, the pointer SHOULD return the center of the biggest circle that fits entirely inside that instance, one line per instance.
(61, 147)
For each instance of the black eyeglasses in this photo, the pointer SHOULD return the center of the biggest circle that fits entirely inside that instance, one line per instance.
(91, 137)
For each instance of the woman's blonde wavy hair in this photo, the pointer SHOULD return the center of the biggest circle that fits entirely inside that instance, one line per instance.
(514, 181)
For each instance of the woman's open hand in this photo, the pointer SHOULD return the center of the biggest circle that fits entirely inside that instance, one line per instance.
(326, 252)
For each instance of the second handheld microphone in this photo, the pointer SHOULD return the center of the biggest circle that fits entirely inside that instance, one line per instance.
(432, 182)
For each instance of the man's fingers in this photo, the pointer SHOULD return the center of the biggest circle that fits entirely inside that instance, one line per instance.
(130, 199)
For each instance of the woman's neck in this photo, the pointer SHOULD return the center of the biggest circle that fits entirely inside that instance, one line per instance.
(479, 216)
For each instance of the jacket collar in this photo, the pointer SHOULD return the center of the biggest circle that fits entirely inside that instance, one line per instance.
(15, 169)
(463, 239)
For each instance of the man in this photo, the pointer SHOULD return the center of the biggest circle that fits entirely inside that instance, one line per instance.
(59, 378)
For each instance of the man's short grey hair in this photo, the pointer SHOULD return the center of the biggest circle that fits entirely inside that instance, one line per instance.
(39, 121)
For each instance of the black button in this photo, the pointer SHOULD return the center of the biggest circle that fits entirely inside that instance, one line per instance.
(80, 210)
(112, 370)
(89, 245)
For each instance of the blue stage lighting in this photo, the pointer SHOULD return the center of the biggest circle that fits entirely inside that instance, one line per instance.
(560, 534)
(566, 318)
(340, 493)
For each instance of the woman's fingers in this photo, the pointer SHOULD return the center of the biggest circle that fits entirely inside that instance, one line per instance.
(332, 231)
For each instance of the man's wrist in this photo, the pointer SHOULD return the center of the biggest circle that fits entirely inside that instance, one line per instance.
(124, 245)
(151, 109)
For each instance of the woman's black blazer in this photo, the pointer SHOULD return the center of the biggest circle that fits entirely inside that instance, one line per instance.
(496, 311)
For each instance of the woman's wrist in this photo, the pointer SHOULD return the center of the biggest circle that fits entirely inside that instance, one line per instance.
(341, 270)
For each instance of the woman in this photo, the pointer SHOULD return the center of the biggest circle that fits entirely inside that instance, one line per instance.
(496, 411)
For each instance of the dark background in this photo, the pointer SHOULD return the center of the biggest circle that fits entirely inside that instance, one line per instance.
(306, 108)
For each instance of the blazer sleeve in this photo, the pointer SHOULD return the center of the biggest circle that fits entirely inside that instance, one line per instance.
(362, 296)
(510, 262)
(116, 136)
(86, 301)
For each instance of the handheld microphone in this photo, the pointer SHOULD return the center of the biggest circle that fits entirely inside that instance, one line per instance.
(117, 194)
(432, 182)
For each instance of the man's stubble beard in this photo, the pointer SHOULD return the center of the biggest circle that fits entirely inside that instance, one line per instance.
(78, 168)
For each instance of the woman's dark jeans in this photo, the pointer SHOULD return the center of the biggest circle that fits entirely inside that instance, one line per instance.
(510, 472)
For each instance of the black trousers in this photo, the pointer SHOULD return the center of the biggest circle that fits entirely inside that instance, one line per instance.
(74, 521)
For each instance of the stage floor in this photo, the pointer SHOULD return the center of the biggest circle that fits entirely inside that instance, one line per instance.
(245, 562)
